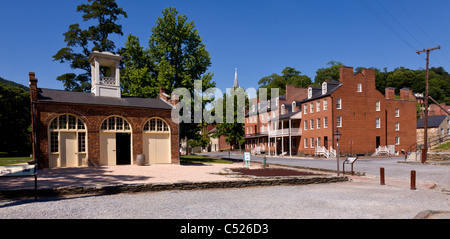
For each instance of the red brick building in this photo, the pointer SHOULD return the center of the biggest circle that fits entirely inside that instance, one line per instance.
(365, 118)
(73, 129)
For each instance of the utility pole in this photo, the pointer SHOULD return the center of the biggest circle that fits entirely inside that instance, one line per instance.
(425, 127)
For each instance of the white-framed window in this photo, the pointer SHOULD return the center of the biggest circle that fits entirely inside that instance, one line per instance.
(318, 142)
(312, 142)
(325, 122)
(448, 131)
(397, 113)
(318, 106)
(339, 121)
(397, 126)
(67, 123)
(377, 105)
(311, 107)
(318, 123)
(153, 125)
(324, 88)
(338, 103)
(306, 125)
(378, 123)
(397, 140)
(54, 142)
(311, 124)
(305, 109)
(442, 131)
(115, 123)
(306, 143)
(359, 87)
(309, 93)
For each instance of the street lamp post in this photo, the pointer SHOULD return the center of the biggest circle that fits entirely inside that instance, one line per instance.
(337, 136)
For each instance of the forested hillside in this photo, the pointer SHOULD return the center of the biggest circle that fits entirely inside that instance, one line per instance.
(15, 119)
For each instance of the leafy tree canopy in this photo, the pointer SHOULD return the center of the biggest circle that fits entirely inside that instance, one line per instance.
(290, 76)
(81, 42)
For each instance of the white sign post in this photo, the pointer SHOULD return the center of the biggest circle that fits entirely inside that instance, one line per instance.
(247, 159)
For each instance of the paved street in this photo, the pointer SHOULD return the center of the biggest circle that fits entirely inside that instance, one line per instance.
(371, 166)
(362, 197)
(334, 200)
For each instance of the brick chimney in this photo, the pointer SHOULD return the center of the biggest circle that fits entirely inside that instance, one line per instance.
(33, 87)
(389, 93)
(162, 94)
(406, 94)
(345, 73)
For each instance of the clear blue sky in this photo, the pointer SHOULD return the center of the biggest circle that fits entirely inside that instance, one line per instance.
(257, 37)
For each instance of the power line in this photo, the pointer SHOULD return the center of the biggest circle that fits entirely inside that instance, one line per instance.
(378, 16)
(404, 29)
(412, 19)
(424, 33)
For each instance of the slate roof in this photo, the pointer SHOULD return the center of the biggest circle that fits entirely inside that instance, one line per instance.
(433, 121)
(71, 97)
(332, 85)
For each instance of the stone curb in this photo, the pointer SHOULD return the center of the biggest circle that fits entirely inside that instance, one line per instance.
(156, 187)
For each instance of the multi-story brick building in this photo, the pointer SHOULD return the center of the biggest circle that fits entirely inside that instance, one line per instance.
(73, 129)
(365, 118)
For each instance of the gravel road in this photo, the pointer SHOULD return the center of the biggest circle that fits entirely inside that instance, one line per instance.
(335, 200)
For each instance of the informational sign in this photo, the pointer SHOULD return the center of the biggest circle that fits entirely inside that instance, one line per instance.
(350, 160)
(17, 170)
(247, 159)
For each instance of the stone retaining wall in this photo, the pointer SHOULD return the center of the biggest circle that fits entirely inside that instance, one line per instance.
(130, 188)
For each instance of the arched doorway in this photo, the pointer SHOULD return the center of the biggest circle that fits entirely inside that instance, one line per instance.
(67, 142)
(156, 141)
(115, 141)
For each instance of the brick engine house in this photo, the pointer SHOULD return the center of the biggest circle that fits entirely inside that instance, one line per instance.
(72, 129)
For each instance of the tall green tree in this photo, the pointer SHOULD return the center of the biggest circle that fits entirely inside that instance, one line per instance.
(177, 50)
(234, 131)
(15, 121)
(290, 76)
(176, 56)
(103, 14)
(326, 73)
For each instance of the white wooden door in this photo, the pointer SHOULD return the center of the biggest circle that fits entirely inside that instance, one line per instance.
(68, 154)
(108, 149)
(157, 148)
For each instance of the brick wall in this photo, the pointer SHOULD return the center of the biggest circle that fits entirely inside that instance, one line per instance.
(359, 116)
(93, 116)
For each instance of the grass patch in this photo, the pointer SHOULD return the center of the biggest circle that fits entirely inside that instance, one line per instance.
(14, 160)
(443, 147)
(197, 159)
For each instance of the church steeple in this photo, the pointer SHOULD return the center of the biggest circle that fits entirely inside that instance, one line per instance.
(236, 83)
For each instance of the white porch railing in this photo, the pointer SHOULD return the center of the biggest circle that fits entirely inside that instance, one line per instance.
(321, 150)
(258, 150)
(108, 80)
(381, 150)
(285, 132)
(332, 152)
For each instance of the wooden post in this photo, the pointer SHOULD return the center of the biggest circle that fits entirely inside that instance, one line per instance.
(413, 180)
